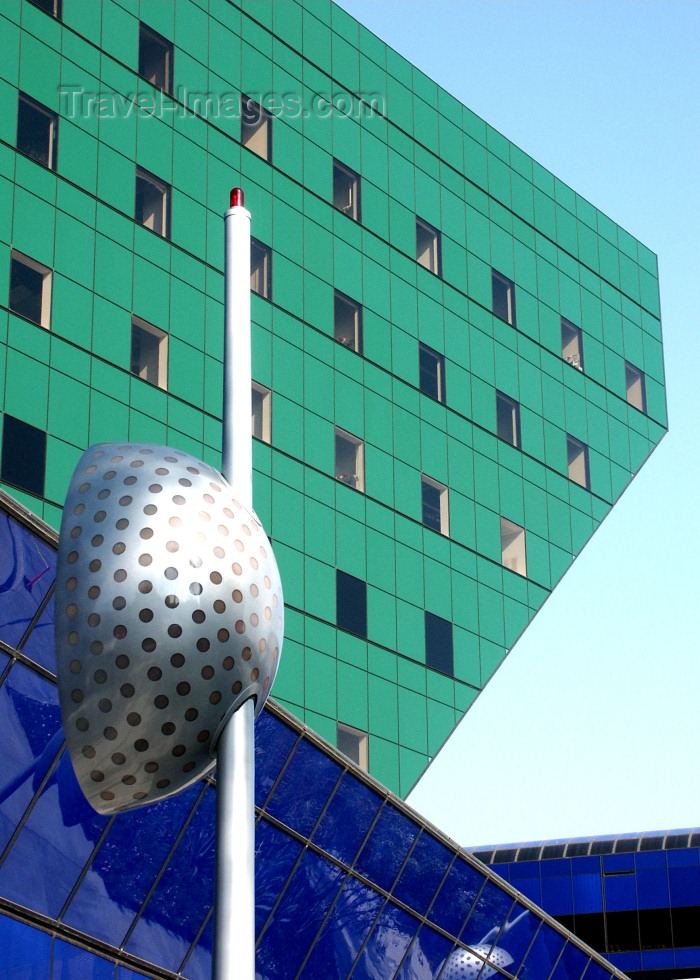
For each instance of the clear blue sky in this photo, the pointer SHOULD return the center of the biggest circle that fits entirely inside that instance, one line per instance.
(592, 723)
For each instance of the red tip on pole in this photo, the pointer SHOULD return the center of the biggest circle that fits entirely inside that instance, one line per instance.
(237, 197)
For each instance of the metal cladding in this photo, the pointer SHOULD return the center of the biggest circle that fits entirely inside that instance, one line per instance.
(169, 615)
(463, 965)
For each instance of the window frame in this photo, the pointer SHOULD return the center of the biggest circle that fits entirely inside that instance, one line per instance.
(350, 334)
(513, 558)
(634, 376)
(429, 253)
(265, 427)
(139, 328)
(355, 480)
(147, 34)
(442, 524)
(146, 178)
(348, 618)
(256, 136)
(57, 5)
(501, 282)
(577, 457)
(51, 161)
(438, 359)
(362, 742)
(344, 178)
(572, 344)
(434, 660)
(261, 266)
(19, 258)
(504, 403)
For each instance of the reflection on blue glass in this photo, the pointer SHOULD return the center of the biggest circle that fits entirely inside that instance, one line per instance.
(125, 867)
(382, 856)
(517, 933)
(183, 896)
(424, 870)
(199, 964)
(571, 964)
(26, 952)
(487, 917)
(72, 963)
(53, 845)
(38, 644)
(345, 930)
(530, 887)
(31, 738)
(275, 855)
(27, 567)
(304, 788)
(428, 952)
(387, 944)
(456, 897)
(347, 819)
(273, 743)
(297, 918)
(542, 955)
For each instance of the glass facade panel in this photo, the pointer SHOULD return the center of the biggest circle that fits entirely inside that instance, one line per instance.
(422, 873)
(304, 788)
(349, 816)
(26, 573)
(386, 849)
(454, 901)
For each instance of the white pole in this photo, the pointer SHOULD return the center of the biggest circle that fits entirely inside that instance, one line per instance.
(234, 893)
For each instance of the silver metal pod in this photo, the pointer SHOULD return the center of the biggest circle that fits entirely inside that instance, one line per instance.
(169, 615)
(463, 965)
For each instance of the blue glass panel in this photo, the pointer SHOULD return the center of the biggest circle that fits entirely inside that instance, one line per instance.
(618, 862)
(557, 897)
(348, 818)
(625, 961)
(517, 933)
(596, 972)
(542, 955)
(588, 893)
(126, 865)
(53, 846)
(650, 859)
(72, 963)
(298, 917)
(424, 870)
(345, 930)
(456, 897)
(27, 568)
(183, 896)
(32, 736)
(199, 965)
(688, 957)
(652, 888)
(685, 885)
(487, 916)
(26, 952)
(273, 743)
(275, 856)
(571, 964)
(683, 857)
(620, 892)
(382, 856)
(428, 952)
(530, 887)
(553, 868)
(387, 944)
(38, 645)
(304, 788)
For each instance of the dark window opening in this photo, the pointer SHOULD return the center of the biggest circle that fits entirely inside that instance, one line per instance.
(579, 472)
(636, 387)
(428, 247)
(149, 353)
(572, 344)
(152, 204)
(346, 191)
(354, 744)
(260, 269)
(347, 322)
(435, 505)
(508, 419)
(503, 294)
(37, 131)
(23, 456)
(351, 604)
(30, 289)
(439, 653)
(155, 58)
(52, 7)
(431, 371)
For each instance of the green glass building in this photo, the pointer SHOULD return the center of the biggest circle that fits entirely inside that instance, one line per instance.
(457, 360)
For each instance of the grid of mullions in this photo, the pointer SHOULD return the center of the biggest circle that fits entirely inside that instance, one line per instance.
(494, 208)
(348, 879)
